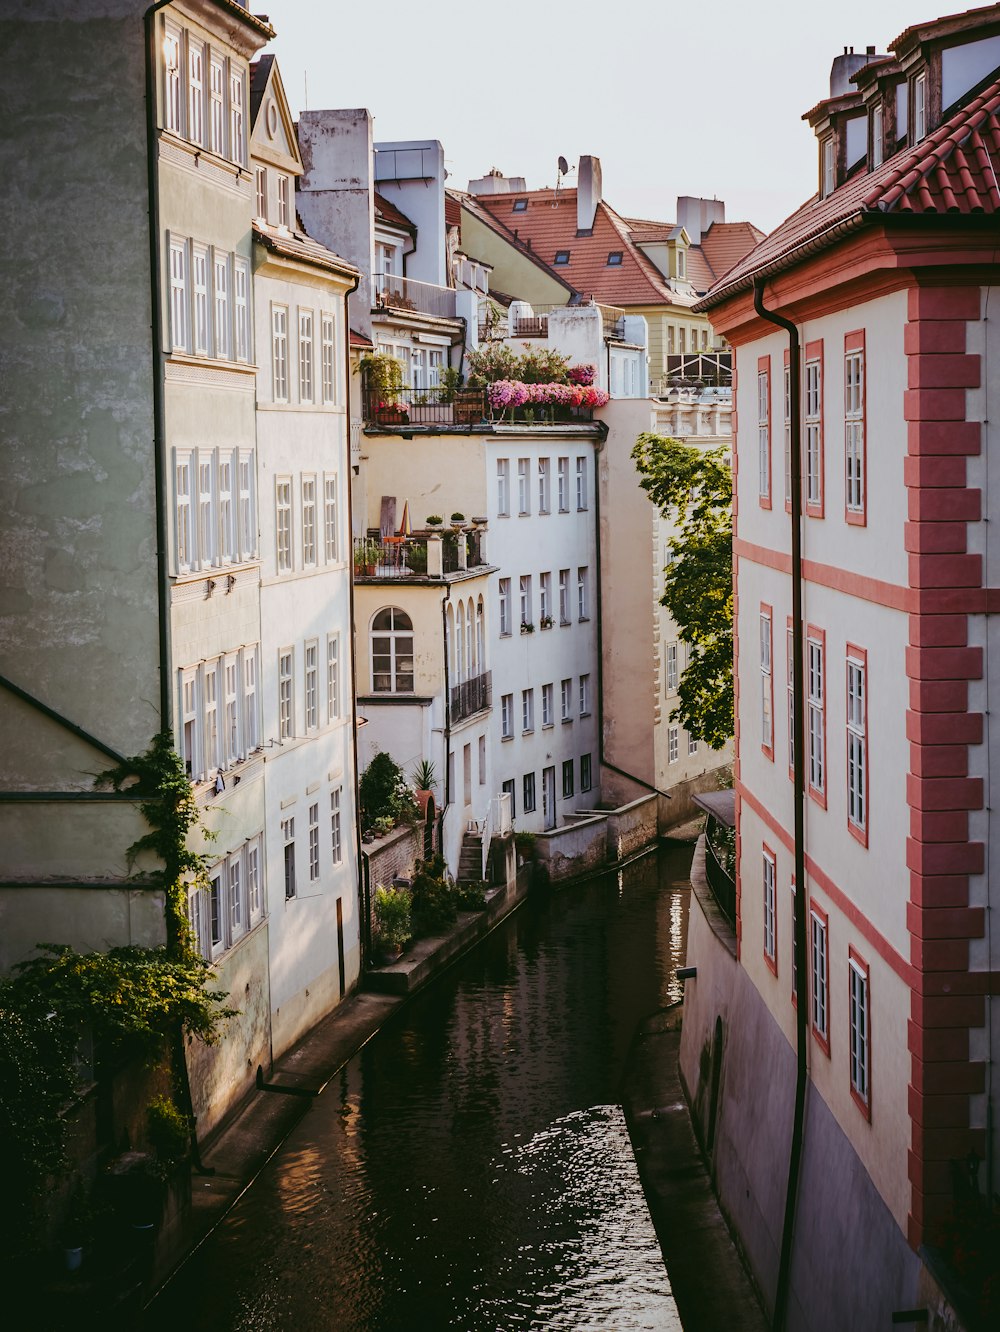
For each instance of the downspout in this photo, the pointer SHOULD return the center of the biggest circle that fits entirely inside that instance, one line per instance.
(447, 700)
(798, 778)
(364, 887)
(156, 316)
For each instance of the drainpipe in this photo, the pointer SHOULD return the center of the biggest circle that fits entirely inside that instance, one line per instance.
(156, 317)
(447, 699)
(364, 887)
(798, 776)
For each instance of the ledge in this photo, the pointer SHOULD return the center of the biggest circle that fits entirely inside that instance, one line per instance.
(710, 909)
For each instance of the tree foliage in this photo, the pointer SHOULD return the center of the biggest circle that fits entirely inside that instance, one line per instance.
(693, 488)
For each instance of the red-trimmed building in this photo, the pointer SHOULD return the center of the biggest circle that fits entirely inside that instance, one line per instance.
(885, 281)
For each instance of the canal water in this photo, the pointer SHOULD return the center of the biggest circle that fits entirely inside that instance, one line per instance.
(470, 1168)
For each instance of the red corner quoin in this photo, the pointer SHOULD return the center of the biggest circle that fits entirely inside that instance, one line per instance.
(941, 917)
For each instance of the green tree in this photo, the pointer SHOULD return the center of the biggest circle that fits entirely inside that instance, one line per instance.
(693, 488)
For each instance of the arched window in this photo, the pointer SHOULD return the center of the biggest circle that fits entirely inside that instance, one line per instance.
(392, 652)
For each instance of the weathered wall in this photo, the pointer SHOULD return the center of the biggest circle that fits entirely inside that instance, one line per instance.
(575, 848)
(632, 827)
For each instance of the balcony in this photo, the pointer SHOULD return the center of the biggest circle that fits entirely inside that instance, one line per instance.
(697, 370)
(401, 293)
(720, 849)
(536, 325)
(470, 696)
(433, 408)
(424, 556)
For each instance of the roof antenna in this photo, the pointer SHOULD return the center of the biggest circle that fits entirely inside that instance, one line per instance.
(562, 169)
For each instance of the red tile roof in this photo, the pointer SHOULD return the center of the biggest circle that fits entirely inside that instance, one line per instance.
(724, 244)
(359, 340)
(452, 211)
(297, 245)
(387, 212)
(952, 171)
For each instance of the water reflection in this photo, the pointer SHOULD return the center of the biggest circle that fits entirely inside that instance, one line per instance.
(471, 1168)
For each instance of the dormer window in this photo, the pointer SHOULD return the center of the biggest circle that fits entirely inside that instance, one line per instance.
(562, 257)
(260, 183)
(519, 206)
(877, 150)
(827, 179)
(284, 210)
(615, 259)
(681, 263)
(919, 107)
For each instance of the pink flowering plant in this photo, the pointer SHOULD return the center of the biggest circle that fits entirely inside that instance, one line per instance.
(584, 375)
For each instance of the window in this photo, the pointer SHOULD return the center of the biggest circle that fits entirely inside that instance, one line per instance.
(328, 358)
(682, 265)
(283, 522)
(288, 841)
(857, 743)
(313, 843)
(547, 719)
(615, 259)
(308, 520)
(581, 484)
(764, 431)
(795, 962)
(223, 319)
(826, 166)
(787, 396)
(253, 878)
(561, 257)
(217, 105)
(564, 596)
(671, 667)
(919, 107)
(586, 780)
(172, 79)
(816, 713)
(182, 497)
(312, 685)
(523, 485)
(819, 965)
(562, 475)
(766, 684)
(392, 652)
(504, 607)
(199, 287)
(509, 789)
(814, 429)
(854, 427)
(196, 91)
(237, 142)
(241, 308)
(584, 695)
(179, 338)
(507, 716)
(482, 760)
(566, 700)
(878, 138)
(206, 509)
(260, 190)
(210, 716)
(582, 593)
(544, 484)
(692, 745)
(567, 779)
(232, 735)
(670, 339)
(227, 508)
(332, 677)
(525, 593)
(528, 792)
(305, 355)
(284, 212)
(770, 922)
(519, 206)
(673, 744)
(286, 714)
(336, 840)
(206, 743)
(331, 521)
(189, 725)
(527, 710)
(217, 910)
(858, 976)
(251, 713)
(503, 487)
(279, 352)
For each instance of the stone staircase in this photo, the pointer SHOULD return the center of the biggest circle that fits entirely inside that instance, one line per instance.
(470, 862)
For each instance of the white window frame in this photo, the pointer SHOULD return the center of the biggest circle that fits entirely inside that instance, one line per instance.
(217, 104)
(504, 595)
(860, 1032)
(288, 857)
(246, 512)
(583, 593)
(787, 398)
(585, 695)
(284, 197)
(313, 827)
(814, 432)
(333, 704)
(766, 682)
(185, 551)
(854, 430)
(523, 487)
(195, 91)
(286, 693)
(527, 711)
(331, 517)
(764, 435)
(672, 672)
(562, 484)
(251, 698)
(241, 308)
(260, 191)
(857, 743)
(503, 487)
(283, 525)
(306, 356)
(582, 496)
(279, 352)
(310, 538)
(526, 600)
(564, 607)
(222, 321)
(506, 716)
(328, 358)
(770, 907)
(336, 826)
(201, 299)
(819, 972)
(544, 485)
(237, 116)
(566, 699)
(547, 718)
(226, 465)
(173, 104)
(816, 713)
(180, 300)
(673, 744)
(919, 107)
(310, 661)
(207, 511)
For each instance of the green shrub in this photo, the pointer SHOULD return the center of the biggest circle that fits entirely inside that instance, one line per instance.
(435, 901)
(392, 909)
(385, 792)
(471, 896)
(168, 1130)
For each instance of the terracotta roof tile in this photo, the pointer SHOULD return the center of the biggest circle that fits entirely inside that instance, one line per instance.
(297, 245)
(452, 211)
(951, 171)
(359, 340)
(725, 244)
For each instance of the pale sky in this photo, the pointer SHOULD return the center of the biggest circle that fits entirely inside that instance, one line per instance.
(693, 98)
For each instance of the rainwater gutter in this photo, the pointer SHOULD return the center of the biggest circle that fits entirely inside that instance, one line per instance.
(798, 778)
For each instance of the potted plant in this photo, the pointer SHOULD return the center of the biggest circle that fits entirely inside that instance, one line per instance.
(392, 921)
(367, 553)
(458, 519)
(527, 628)
(434, 520)
(424, 775)
(546, 622)
(449, 381)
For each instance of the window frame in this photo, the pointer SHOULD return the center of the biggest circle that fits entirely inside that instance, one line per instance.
(334, 708)
(819, 924)
(766, 636)
(582, 484)
(562, 484)
(586, 773)
(279, 352)
(568, 779)
(396, 637)
(814, 447)
(506, 716)
(764, 432)
(856, 729)
(529, 795)
(859, 971)
(770, 908)
(523, 487)
(503, 487)
(504, 595)
(816, 714)
(286, 693)
(328, 358)
(310, 684)
(310, 535)
(544, 485)
(856, 423)
(284, 525)
(307, 357)
(527, 711)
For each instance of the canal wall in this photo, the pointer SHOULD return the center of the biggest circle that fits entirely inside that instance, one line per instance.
(738, 1073)
(596, 839)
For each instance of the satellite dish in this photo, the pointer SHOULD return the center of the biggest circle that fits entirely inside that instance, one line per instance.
(563, 166)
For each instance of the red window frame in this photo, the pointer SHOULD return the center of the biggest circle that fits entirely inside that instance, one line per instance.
(853, 956)
(860, 657)
(822, 1038)
(766, 610)
(816, 793)
(814, 508)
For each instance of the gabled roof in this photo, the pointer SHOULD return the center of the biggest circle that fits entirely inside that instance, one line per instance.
(724, 244)
(295, 244)
(391, 216)
(272, 135)
(952, 171)
(473, 204)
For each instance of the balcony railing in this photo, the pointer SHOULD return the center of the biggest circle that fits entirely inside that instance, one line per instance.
(719, 880)
(401, 408)
(536, 325)
(402, 293)
(407, 557)
(470, 696)
(698, 370)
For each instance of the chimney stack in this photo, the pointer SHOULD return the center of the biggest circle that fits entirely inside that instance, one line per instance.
(588, 192)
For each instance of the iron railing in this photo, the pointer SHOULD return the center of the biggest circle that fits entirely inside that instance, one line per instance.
(699, 369)
(470, 696)
(403, 293)
(406, 556)
(398, 409)
(719, 880)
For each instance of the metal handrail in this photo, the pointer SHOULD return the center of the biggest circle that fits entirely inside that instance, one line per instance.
(404, 293)
(469, 696)
(722, 886)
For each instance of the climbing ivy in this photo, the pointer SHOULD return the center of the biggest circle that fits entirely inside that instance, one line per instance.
(167, 802)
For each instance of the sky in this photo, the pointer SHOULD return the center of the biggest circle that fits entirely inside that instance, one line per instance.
(693, 98)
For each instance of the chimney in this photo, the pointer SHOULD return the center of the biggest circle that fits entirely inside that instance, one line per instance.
(588, 192)
(697, 215)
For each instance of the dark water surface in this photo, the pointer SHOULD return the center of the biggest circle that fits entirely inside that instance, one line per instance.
(470, 1168)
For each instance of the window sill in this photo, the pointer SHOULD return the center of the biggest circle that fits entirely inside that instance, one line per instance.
(506, 739)
(530, 730)
(567, 721)
(547, 726)
(181, 356)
